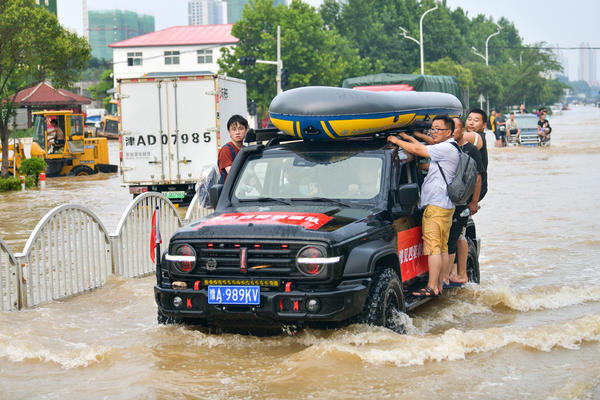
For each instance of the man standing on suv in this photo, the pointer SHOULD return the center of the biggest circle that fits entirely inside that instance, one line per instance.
(437, 206)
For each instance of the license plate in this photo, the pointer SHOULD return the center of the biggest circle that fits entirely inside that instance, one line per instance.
(174, 195)
(243, 295)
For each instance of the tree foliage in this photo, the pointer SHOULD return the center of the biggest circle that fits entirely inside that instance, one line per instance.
(312, 53)
(98, 91)
(33, 47)
(358, 37)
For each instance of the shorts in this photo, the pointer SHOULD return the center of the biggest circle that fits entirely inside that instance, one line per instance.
(436, 229)
(457, 229)
(499, 134)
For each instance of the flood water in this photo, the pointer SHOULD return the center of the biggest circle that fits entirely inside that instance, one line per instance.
(530, 330)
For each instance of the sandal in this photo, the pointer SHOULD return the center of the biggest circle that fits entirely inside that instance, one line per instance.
(425, 292)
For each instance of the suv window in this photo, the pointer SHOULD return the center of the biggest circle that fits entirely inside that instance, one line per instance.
(297, 176)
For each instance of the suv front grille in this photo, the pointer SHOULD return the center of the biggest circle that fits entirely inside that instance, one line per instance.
(263, 258)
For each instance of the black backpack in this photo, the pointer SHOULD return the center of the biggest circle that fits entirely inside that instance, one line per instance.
(463, 185)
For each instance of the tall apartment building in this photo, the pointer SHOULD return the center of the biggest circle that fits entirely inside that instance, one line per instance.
(587, 64)
(207, 12)
(235, 8)
(48, 4)
(109, 26)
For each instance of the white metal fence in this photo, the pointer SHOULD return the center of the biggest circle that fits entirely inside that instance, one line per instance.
(10, 295)
(195, 211)
(131, 241)
(70, 250)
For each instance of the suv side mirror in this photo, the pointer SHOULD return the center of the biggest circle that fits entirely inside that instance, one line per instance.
(214, 193)
(407, 197)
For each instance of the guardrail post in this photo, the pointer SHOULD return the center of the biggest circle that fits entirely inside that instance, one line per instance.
(21, 281)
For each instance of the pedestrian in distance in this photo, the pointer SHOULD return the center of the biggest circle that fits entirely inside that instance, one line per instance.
(237, 127)
(512, 129)
(435, 203)
(544, 128)
(500, 132)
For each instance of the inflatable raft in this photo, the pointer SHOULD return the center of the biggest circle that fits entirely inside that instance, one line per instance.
(330, 113)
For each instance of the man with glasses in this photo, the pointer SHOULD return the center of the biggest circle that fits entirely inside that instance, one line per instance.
(437, 206)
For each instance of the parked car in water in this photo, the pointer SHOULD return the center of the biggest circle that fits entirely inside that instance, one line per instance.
(529, 135)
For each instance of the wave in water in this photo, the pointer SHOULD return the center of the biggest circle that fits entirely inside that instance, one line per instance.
(378, 346)
(536, 298)
(20, 351)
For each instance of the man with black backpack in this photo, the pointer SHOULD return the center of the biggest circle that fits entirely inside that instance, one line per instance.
(237, 127)
(457, 245)
(435, 202)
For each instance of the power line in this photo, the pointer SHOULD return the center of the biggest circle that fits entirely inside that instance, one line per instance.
(546, 47)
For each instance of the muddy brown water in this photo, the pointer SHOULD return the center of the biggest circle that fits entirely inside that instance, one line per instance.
(530, 330)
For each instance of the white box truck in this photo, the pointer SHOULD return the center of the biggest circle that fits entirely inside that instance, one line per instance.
(172, 128)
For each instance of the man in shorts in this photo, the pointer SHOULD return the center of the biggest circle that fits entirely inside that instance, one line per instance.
(500, 131)
(435, 203)
(457, 244)
(512, 129)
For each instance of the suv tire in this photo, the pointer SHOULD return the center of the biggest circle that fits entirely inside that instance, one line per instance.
(384, 301)
(472, 262)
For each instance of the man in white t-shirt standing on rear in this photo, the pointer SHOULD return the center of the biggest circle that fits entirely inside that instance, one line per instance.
(437, 206)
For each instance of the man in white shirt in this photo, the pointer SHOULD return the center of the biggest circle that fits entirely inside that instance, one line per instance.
(437, 206)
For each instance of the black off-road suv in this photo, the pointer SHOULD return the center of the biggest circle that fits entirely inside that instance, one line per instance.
(303, 234)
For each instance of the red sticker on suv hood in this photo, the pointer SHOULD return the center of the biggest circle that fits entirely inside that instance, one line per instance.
(310, 221)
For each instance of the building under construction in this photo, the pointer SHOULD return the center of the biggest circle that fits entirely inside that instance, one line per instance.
(109, 26)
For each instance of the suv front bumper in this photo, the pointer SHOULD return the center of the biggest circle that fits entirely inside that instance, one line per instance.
(276, 307)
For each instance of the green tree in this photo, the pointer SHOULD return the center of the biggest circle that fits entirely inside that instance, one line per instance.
(98, 91)
(311, 53)
(33, 47)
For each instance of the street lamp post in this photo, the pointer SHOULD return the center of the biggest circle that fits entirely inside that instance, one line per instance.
(420, 41)
(486, 57)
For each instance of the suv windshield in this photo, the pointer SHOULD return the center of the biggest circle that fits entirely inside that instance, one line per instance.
(302, 177)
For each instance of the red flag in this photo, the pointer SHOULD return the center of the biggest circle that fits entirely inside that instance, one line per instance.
(155, 237)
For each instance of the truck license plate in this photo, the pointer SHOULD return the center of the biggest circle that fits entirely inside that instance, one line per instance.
(174, 195)
(244, 295)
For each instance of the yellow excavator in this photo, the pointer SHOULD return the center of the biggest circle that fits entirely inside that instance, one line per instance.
(78, 154)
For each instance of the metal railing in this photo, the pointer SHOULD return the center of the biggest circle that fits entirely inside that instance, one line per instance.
(10, 275)
(195, 210)
(70, 251)
(131, 241)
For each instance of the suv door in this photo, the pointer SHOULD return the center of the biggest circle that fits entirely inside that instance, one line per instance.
(408, 224)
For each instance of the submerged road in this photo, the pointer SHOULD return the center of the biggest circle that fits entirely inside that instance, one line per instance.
(530, 330)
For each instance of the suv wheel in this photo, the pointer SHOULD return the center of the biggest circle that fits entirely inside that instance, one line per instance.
(385, 301)
(472, 262)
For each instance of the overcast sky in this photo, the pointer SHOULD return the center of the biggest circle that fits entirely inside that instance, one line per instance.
(558, 22)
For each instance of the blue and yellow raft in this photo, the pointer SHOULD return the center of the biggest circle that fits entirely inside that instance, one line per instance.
(330, 113)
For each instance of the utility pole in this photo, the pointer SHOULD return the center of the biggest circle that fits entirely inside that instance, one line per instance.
(250, 60)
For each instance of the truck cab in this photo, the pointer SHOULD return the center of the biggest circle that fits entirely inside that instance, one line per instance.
(303, 234)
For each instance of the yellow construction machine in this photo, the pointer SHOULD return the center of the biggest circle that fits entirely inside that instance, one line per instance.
(80, 154)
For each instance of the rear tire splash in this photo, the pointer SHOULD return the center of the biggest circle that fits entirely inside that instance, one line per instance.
(385, 301)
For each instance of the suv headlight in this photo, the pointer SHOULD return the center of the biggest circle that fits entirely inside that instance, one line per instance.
(312, 260)
(183, 259)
